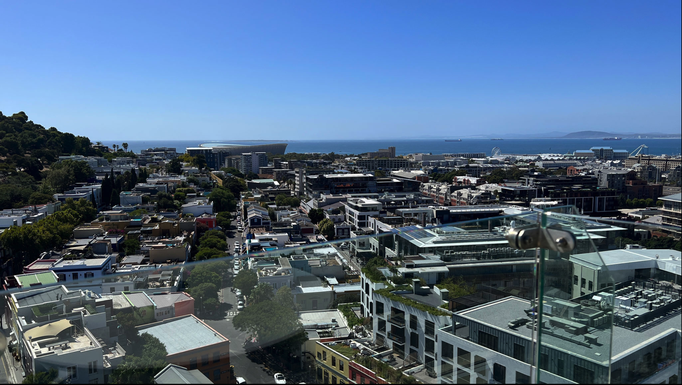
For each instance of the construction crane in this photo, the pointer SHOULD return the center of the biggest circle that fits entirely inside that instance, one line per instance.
(639, 149)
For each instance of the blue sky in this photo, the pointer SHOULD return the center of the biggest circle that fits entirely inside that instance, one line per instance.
(341, 69)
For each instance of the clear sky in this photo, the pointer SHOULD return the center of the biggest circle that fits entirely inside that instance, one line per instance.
(140, 70)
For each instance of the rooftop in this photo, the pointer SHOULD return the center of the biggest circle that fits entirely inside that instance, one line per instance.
(181, 334)
(44, 278)
(175, 374)
(513, 308)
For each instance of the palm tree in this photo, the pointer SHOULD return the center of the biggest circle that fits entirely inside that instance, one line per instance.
(125, 146)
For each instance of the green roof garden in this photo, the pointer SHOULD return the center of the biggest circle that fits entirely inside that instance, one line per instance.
(45, 278)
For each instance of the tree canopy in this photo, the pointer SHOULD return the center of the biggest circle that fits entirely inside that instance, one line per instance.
(223, 199)
(145, 358)
(245, 281)
(316, 215)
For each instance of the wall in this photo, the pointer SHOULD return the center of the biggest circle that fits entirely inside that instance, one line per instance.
(209, 370)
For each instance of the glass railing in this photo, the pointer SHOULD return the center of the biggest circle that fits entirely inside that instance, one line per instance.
(549, 297)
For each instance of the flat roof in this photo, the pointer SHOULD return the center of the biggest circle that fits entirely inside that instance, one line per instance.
(317, 317)
(513, 307)
(165, 300)
(81, 263)
(632, 258)
(43, 278)
(180, 334)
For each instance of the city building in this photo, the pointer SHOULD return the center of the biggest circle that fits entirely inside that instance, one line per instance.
(217, 155)
(252, 161)
(672, 212)
(193, 344)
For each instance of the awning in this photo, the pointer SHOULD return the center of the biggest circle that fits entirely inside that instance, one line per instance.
(49, 330)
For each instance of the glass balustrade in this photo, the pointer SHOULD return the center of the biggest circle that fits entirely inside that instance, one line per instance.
(542, 296)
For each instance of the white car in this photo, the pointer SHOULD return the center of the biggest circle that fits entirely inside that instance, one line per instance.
(240, 380)
(279, 378)
(241, 307)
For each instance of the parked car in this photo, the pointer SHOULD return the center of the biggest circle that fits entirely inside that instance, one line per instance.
(240, 380)
(279, 378)
(241, 307)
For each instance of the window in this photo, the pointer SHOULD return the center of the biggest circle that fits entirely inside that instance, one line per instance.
(319, 355)
(560, 367)
(324, 355)
(414, 340)
(500, 373)
(582, 282)
(334, 380)
(582, 375)
(522, 378)
(89, 274)
(326, 377)
(544, 361)
(192, 363)
(126, 288)
(447, 350)
(463, 358)
(589, 285)
(670, 349)
(429, 328)
(216, 374)
(204, 359)
(480, 365)
(112, 289)
(352, 376)
(382, 325)
(380, 308)
(446, 370)
(487, 340)
(216, 357)
(673, 379)
(429, 345)
(575, 279)
(520, 352)
(71, 372)
(463, 377)
(414, 323)
(362, 380)
(616, 376)
(333, 361)
(340, 364)
(319, 374)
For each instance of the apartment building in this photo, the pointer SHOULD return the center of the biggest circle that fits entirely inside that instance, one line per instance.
(359, 210)
(672, 212)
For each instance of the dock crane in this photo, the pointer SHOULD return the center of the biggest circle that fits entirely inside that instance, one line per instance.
(639, 149)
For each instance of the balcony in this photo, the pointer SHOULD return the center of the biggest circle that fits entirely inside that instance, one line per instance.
(398, 320)
(395, 337)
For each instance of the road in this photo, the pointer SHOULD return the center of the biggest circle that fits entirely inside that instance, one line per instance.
(243, 366)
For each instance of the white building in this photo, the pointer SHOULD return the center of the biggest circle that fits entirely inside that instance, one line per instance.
(198, 207)
(359, 210)
(71, 270)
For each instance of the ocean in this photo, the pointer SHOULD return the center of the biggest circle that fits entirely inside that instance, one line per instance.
(403, 147)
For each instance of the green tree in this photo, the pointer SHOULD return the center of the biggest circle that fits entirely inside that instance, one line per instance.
(174, 166)
(316, 215)
(41, 377)
(205, 253)
(213, 243)
(131, 246)
(262, 292)
(224, 219)
(245, 281)
(223, 199)
(326, 227)
(273, 324)
(83, 207)
(233, 171)
(203, 274)
(138, 213)
(202, 292)
(146, 358)
(235, 185)
(213, 234)
(125, 146)
(38, 198)
(284, 297)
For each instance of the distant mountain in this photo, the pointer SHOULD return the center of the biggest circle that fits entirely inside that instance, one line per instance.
(604, 134)
(589, 135)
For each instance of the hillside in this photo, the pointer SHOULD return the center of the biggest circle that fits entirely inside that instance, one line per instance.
(26, 150)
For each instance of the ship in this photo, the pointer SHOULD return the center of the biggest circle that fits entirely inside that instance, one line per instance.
(453, 140)
(613, 138)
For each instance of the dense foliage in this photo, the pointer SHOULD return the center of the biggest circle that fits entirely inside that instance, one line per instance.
(145, 357)
(26, 150)
(273, 321)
